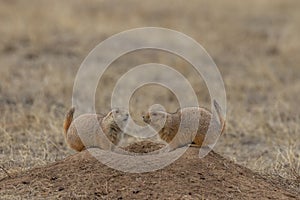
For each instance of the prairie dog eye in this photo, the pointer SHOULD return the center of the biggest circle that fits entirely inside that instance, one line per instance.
(117, 111)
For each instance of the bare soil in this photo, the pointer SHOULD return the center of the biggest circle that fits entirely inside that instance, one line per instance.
(83, 176)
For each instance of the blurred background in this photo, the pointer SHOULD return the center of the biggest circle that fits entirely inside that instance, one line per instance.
(255, 45)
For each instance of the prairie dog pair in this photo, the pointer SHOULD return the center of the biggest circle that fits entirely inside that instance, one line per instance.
(168, 124)
(95, 130)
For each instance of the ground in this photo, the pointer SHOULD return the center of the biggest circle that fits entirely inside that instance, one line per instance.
(82, 175)
(255, 45)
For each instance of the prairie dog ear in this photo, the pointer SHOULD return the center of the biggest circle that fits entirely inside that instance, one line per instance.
(114, 112)
(110, 114)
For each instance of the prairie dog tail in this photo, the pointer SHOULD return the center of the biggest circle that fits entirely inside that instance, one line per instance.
(68, 119)
(221, 118)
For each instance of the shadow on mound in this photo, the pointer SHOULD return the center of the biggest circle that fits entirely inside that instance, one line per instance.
(83, 176)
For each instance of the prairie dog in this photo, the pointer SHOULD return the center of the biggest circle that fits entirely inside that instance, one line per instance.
(167, 125)
(85, 131)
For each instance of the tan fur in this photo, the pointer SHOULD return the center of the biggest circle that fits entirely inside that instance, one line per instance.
(167, 125)
(85, 131)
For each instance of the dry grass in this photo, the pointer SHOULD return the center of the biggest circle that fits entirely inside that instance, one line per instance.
(255, 44)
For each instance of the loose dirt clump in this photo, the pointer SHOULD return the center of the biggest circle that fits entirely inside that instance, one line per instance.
(144, 147)
(83, 176)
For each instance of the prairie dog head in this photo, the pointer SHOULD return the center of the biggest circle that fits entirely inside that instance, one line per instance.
(117, 119)
(156, 119)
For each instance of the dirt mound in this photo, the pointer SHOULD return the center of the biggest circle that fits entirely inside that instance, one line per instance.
(82, 176)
